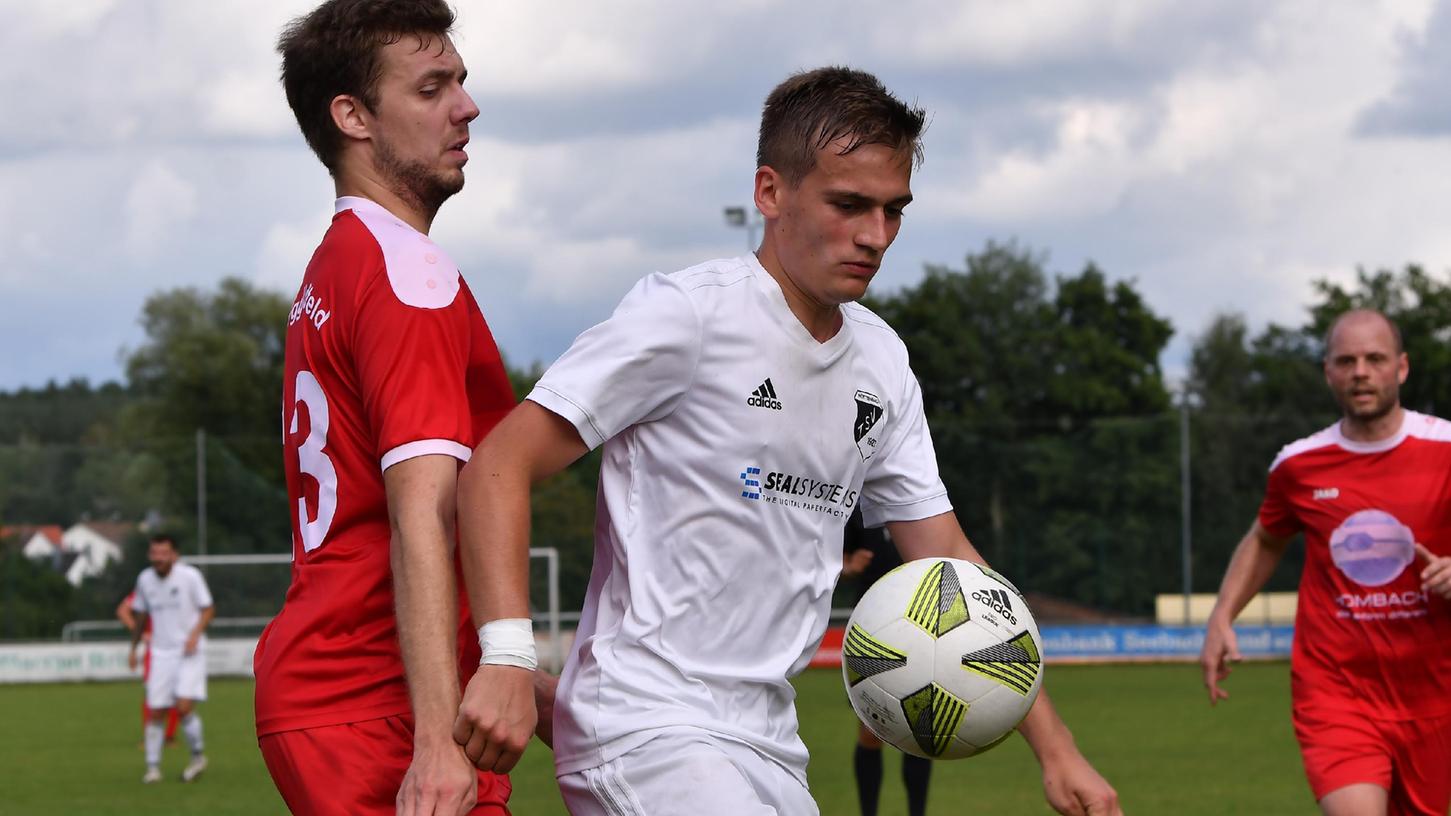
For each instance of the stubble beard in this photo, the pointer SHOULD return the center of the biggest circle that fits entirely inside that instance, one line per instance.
(415, 182)
(1386, 402)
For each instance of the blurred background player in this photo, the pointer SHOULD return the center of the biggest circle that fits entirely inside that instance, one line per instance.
(744, 407)
(867, 555)
(1370, 667)
(390, 378)
(128, 620)
(172, 600)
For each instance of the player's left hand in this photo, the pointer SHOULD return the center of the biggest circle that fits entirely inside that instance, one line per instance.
(496, 717)
(1074, 788)
(439, 781)
(1436, 577)
(191, 642)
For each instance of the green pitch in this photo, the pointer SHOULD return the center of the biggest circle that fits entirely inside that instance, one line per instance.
(75, 749)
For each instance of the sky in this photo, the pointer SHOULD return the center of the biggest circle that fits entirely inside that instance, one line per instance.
(1221, 156)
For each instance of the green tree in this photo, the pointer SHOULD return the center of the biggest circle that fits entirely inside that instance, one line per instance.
(212, 361)
(35, 600)
(1046, 403)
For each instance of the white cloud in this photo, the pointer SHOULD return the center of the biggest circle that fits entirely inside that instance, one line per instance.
(1209, 151)
(286, 248)
(29, 20)
(159, 203)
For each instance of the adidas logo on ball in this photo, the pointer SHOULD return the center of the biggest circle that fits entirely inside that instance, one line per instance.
(996, 600)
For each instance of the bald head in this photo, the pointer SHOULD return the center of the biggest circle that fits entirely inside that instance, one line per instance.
(1363, 319)
(1365, 367)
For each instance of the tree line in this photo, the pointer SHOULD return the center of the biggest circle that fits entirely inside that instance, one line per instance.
(1057, 432)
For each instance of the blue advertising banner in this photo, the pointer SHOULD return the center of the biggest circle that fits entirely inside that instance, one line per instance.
(1092, 644)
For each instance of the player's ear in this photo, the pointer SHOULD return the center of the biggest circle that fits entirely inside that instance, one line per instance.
(769, 187)
(348, 116)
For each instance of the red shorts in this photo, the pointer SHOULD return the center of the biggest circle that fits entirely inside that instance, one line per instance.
(355, 768)
(1411, 759)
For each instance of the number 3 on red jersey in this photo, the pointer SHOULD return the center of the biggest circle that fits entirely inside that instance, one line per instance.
(312, 461)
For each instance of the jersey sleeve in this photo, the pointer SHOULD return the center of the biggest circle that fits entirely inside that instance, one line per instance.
(201, 594)
(902, 482)
(634, 367)
(138, 598)
(1277, 514)
(412, 366)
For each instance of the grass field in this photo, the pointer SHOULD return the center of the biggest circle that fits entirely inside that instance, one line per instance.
(74, 749)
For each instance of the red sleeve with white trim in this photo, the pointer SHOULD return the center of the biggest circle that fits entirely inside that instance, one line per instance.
(412, 361)
(1277, 512)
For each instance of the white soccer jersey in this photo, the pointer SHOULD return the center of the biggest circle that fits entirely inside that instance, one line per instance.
(175, 603)
(735, 447)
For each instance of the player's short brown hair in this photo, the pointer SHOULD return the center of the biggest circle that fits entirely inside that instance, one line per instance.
(164, 538)
(334, 51)
(812, 109)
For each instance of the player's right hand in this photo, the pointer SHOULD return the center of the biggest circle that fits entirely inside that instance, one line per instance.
(1221, 646)
(496, 717)
(440, 781)
(1436, 577)
(131, 658)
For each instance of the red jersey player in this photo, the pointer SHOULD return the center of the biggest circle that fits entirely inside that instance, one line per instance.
(391, 377)
(1371, 664)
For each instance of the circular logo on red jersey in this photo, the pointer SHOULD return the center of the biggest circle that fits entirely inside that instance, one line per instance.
(1372, 547)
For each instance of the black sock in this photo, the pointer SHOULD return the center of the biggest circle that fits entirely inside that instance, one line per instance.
(868, 765)
(915, 773)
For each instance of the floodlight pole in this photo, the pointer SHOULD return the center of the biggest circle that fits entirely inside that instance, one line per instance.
(748, 218)
(201, 492)
(1184, 484)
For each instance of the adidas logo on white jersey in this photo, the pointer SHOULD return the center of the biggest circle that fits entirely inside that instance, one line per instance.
(765, 397)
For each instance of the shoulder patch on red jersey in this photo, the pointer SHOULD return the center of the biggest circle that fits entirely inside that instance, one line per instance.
(420, 273)
(1320, 439)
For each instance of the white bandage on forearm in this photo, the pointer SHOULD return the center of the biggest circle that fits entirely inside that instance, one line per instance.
(508, 642)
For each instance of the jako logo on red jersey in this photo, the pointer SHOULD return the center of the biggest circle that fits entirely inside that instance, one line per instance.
(1326, 493)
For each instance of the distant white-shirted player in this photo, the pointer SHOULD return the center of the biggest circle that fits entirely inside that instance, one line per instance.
(176, 599)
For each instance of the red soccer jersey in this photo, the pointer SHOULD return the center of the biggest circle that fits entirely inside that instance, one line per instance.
(1365, 633)
(388, 357)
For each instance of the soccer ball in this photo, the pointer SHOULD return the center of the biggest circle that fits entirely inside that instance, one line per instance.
(942, 658)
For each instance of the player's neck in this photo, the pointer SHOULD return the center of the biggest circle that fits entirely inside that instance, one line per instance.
(1375, 429)
(821, 320)
(377, 190)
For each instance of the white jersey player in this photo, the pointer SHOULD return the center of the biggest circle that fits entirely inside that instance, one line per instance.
(175, 597)
(744, 408)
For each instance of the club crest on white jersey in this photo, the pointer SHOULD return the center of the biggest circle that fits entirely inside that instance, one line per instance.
(869, 415)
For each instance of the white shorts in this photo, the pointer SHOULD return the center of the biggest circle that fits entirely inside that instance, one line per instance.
(692, 773)
(176, 677)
